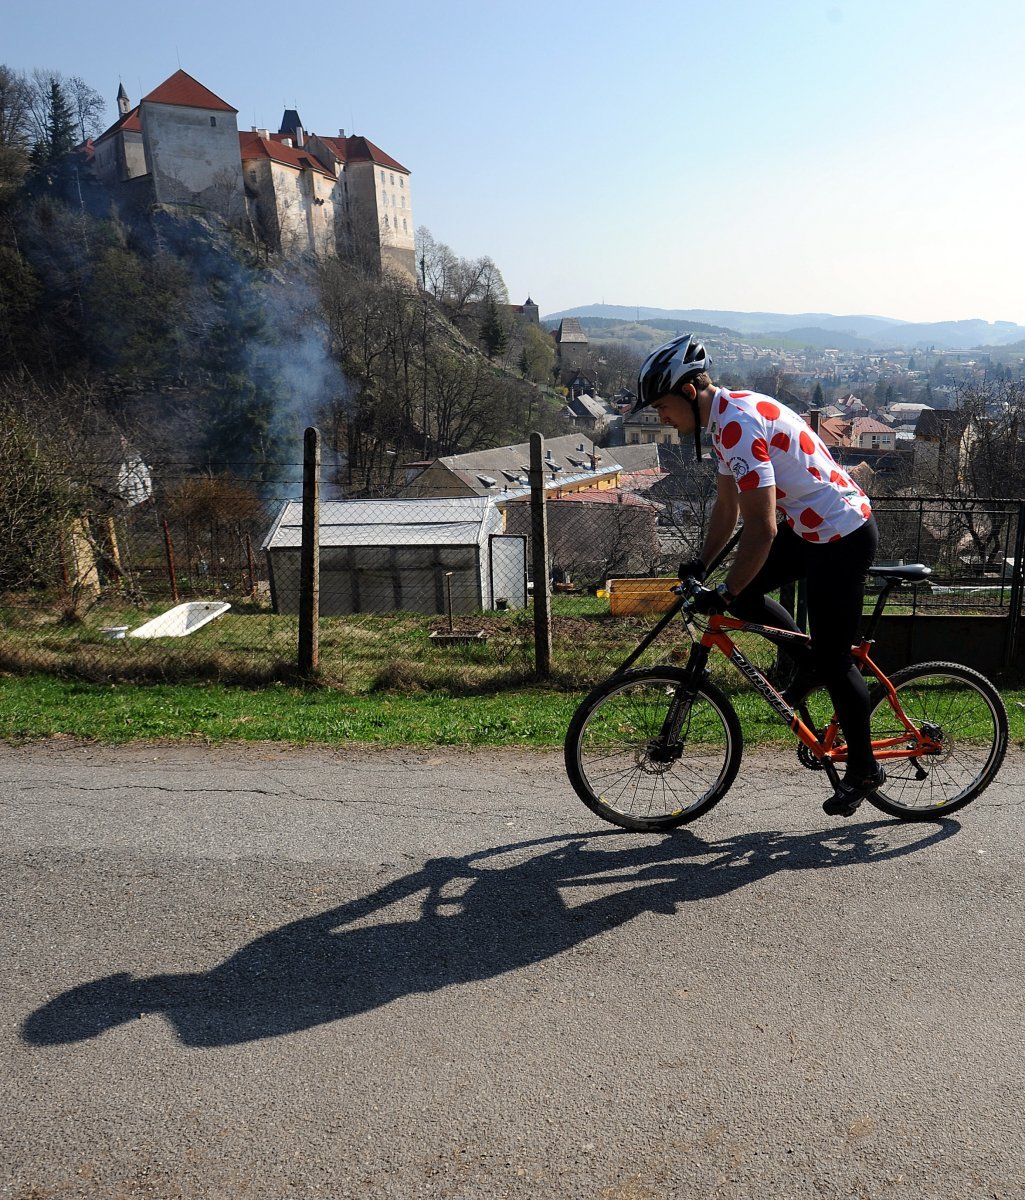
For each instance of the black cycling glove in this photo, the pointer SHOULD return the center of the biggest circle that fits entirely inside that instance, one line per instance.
(693, 569)
(712, 601)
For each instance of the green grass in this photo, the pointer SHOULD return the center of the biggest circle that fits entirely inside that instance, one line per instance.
(382, 680)
(42, 706)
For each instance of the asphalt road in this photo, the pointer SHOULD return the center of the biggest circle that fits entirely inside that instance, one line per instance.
(263, 972)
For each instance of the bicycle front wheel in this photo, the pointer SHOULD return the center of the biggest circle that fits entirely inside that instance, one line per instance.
(645, 752)
(960, 709)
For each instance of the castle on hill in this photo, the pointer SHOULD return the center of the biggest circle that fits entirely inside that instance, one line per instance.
(300, 192)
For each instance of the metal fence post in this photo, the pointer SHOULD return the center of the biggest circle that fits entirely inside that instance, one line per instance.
(539, 560)
(309, 557)
(1017, 587)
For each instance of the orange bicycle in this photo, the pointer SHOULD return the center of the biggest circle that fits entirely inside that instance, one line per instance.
(655, 747)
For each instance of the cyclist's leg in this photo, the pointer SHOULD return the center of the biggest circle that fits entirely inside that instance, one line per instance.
(836, 575)
(785, 564)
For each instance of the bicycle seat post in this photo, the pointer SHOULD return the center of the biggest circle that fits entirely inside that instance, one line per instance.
(880, 604)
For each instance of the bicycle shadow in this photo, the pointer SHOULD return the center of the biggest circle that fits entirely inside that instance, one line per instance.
(478, 917)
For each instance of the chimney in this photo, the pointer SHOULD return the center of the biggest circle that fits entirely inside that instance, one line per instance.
(286, 142)
(264, 133)
(300, 136)
(341, 133)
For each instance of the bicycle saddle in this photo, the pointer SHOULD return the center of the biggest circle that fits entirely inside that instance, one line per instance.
(908, 571)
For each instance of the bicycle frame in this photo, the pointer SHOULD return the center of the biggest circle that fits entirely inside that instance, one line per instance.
(824, 747)
(911, 743)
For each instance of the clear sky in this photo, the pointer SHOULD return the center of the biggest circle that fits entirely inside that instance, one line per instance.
(844, 156)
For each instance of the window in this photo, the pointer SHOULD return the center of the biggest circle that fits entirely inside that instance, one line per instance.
(392, 180)
(404, 228)
(213, 122)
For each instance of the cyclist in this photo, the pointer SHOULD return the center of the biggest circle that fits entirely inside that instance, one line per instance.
(768, 459)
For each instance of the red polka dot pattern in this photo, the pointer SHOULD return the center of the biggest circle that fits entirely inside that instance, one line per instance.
(781, 441)
(731, 435)
(761, 442)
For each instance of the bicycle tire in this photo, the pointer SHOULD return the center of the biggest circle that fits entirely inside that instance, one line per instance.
(970, 715)
(609, 745)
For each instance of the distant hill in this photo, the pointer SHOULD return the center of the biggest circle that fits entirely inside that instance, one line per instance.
(819, 329)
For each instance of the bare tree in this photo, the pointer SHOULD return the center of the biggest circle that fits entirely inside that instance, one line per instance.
(14, 130)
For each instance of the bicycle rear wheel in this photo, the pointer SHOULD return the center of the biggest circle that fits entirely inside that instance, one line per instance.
(963, 711)
(626, 769)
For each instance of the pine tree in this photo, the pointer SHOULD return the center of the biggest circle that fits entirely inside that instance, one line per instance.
(492, 332)
(58, 137)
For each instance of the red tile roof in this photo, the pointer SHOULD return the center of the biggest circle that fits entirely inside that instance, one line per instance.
(603, 496)
(834, 431)
(361, 149)
(869, 425)
(129, 123)
(251, 146)
(185, 92)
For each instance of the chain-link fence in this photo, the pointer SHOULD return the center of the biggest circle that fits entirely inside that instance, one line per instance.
(173, 575)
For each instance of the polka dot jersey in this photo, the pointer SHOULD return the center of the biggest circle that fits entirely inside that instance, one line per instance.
(760, 441)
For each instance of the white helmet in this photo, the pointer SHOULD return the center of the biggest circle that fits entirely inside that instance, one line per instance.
(667, 369)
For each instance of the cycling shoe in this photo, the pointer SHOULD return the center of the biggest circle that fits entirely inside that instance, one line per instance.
(845, 800)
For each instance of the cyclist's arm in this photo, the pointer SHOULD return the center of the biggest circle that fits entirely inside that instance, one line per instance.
(758, 508)
(722, 520)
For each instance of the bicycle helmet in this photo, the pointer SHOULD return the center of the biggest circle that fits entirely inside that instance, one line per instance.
(666, 370)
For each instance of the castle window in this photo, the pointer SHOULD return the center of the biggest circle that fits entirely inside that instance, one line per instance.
(392, 180)
(213, 122)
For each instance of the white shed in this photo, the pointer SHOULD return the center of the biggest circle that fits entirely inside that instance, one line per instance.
(401, 555)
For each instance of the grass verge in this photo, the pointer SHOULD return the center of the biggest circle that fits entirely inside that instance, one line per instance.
(42, 706)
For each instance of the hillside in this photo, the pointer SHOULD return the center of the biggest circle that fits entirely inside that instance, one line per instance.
(822, 329)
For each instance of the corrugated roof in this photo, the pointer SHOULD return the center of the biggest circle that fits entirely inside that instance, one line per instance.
(448, 521)
(182, 90)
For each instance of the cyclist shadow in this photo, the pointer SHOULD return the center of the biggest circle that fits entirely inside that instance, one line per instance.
(455, 921)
